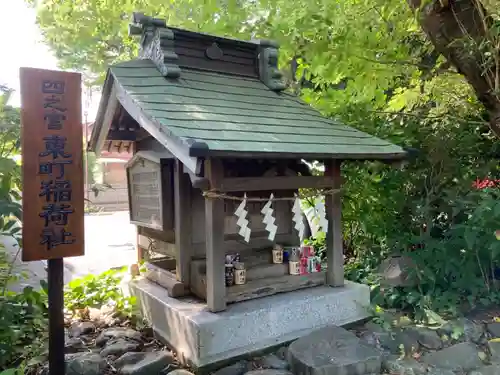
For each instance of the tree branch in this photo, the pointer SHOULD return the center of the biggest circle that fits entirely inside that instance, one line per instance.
(453, 28)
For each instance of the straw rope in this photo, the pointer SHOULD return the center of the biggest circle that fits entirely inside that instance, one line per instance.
(213, 194)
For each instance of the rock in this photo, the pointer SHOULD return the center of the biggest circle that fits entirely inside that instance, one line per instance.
(268, 372)
(81, 328)
(282, 353)
(398, 342)
(409, 366)
(494, 348)
(333, 350)
(374, 327)
(143, 363)
(370, 338)
(73, 345)
(426, 337)
(106, 315)
(147, 332)
(494, 329)
(459, 357)
(117, 333)
(396, 271)
(272, 361)
(439, 371)
(238, 368)
(487, 370)
(474, 332)
(94, 314)
(464, 328)
(85, 364)
(180, 371)
(119, 347)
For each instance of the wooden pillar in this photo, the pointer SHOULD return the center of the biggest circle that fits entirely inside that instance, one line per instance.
(214, 238)
(140, 252)
(182, 199)
(334, 238)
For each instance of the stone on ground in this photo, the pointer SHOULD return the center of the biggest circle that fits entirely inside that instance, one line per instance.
(487, 370)
(426, 337)
(282, 352)
(397, 342)
(439, 371)
(119, 347)
(397, 271)
(459, 357)
(143, 363)
(81, 328)
(494, 349)
(85, 364)
(238, 368)
(73, 345)
(405, 366)
(465, 328)
(180, 371)
(494, 329)
(116, 333)
(272, 361)
(333, 351)
(269, 372)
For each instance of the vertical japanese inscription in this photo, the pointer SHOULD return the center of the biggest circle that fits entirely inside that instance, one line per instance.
(52, 164)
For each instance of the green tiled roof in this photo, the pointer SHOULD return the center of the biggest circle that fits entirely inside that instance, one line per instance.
(236, 114)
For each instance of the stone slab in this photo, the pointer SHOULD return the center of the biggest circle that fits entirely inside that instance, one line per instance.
(202, 338)
(333, 351)
(459, 357)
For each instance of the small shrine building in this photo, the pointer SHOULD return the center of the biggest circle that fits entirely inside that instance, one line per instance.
(218, 147)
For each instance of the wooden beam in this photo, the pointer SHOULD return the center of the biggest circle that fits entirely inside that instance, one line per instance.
(157, 272)
(214, 234)
(182, 199)
(140, 252)
(334, 237)
(198, 182)
(109, 115)
(273, 183)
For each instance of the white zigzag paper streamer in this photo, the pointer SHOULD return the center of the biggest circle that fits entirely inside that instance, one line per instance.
(297, 217)
(268, 219)
(323, 222)
(242, 222)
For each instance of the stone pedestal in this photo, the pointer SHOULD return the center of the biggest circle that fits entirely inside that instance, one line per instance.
(203, 338)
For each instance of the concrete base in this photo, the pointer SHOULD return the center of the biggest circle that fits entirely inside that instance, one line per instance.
(202, 338)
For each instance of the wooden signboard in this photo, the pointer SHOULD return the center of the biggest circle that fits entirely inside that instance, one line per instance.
(145, 186)
(52, 142)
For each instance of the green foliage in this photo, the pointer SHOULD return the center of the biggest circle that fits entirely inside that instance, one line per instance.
(376, 47)
(97, 291)
(368, 64)
(23, 316)
(319, 244)
(23, 326)
(449, 231)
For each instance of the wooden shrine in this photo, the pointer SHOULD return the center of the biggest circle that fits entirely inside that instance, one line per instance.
(209, 118)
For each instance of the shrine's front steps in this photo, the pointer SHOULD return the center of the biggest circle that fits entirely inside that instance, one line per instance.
(203, 338)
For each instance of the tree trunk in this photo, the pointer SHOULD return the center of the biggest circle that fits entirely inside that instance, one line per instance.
(459, 29)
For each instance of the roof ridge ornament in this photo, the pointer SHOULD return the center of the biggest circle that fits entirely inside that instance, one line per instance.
(269, 73)
(157, 43)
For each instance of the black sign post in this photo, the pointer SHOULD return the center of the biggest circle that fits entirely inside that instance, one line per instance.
(56, 316)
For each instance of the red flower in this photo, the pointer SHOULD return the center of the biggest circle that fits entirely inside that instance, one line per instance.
(486, 183)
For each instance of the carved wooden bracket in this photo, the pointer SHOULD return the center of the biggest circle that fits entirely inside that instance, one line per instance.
(269, 73)
(157, 44)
